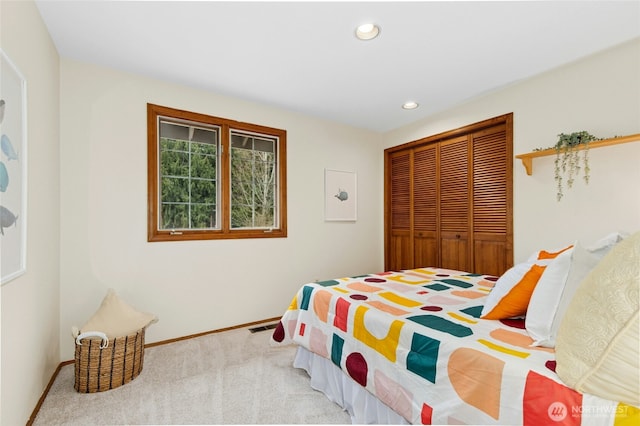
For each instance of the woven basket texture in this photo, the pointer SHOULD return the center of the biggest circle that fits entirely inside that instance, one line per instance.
(98, 370)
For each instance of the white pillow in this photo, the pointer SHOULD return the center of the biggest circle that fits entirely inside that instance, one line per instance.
(582, 262)
(545, 299)
(601, 247)
(598, 348)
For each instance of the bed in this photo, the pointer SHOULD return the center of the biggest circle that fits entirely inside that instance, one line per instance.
(414, 346)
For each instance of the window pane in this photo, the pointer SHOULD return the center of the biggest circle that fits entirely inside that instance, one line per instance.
(203, 216)
(175, 216)
(253, 181)
(188, 176)
(175, 190)
(203, 191)
(174, 158)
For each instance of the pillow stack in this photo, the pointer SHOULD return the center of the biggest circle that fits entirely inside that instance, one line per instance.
(556, 289)
(542, 287)
(557, 286)
(598, 345)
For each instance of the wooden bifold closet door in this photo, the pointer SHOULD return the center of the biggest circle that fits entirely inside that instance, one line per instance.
(454, 204)
(448, 200)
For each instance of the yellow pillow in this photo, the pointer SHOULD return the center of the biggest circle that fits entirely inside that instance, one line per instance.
(597, 347)
(116, 318)
(510, 296)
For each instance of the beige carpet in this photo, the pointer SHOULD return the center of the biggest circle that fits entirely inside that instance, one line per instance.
(233, 377)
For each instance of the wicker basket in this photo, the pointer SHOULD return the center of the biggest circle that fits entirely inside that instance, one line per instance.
(99, 368)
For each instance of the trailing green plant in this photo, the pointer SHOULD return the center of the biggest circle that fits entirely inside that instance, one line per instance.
(568, 158)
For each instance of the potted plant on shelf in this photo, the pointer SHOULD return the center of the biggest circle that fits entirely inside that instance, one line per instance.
(568, 161)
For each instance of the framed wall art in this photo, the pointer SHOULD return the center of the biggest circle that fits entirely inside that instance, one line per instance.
(340, 195)
(13, 170)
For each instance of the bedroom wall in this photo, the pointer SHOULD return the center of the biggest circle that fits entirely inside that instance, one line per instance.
(87, 198)
(599, 94)
(30, 302)
(200, 285)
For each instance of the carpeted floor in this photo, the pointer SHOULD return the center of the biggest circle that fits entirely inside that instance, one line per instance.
(232, 377)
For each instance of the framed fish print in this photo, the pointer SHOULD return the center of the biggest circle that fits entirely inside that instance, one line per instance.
(340, 195)
(13, 170)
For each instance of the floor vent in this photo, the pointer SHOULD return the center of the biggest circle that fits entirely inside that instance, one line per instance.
(263, 328)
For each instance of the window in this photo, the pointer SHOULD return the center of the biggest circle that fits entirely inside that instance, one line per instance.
(213, 178)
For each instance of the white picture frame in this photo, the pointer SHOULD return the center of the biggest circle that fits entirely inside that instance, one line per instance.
(13, 170)
(340, 195)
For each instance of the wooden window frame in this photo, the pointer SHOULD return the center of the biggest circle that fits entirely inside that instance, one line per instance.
(154, 113)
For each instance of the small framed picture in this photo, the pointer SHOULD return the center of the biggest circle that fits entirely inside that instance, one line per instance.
(340, 195)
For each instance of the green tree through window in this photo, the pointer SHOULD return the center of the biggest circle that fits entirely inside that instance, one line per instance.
(253, 179)
(188, 176)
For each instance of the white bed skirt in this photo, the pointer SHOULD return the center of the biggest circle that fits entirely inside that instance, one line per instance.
(362, 406)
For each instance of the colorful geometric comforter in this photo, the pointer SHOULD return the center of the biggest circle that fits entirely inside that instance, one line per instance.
(414, 339)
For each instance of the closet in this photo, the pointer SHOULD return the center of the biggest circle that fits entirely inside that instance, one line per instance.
(448, 200)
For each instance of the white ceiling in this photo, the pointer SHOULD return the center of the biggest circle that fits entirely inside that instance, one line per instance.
(303, 56)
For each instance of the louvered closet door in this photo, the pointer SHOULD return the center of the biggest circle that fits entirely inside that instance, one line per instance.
(449, 200)
(492, 195)
(455, 204)
(425, 206)
(400, 250)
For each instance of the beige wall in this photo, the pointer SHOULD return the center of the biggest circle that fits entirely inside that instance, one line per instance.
(30, 303)
(600, 94)
(200, 285)
(87, 198)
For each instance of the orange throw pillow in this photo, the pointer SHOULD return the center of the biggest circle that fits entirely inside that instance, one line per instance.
(512, 292)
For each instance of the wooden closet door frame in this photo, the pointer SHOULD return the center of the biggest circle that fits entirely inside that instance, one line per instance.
(507, 120)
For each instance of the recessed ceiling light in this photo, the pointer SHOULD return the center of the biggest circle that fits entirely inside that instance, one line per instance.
(367, 31)
(410, 105)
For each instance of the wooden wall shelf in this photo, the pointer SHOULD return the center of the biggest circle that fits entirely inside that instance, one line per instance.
(527, 159)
